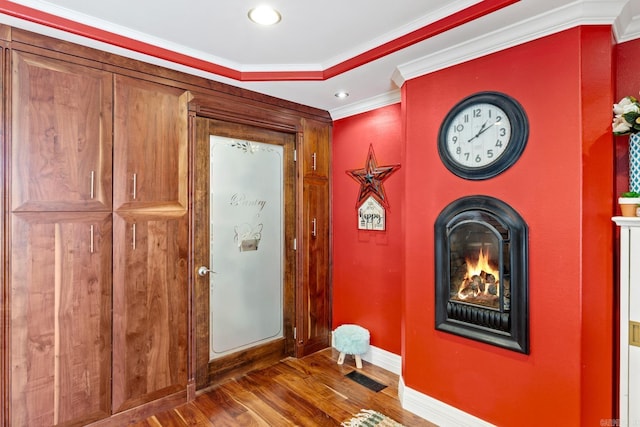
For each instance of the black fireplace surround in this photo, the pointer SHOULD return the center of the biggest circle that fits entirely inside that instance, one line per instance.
(481, 265)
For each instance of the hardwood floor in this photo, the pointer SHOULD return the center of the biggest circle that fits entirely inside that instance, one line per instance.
(312, 391)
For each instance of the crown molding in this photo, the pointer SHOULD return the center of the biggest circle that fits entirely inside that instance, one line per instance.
(378, 101)
(582, 12)
(627, 26)
(53, 17)
(449, 9)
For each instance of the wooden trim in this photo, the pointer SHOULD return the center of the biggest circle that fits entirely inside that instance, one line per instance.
(235, 364)
(191, 294)
(141, 412)
(300, 255)
(5, 32)
(5, 72)
(44, 45)
(212, 372)
(200, 340)
(230, 109)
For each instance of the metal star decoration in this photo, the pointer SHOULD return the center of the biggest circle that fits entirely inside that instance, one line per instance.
(371, 178)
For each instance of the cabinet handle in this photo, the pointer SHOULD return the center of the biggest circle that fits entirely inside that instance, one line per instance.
(634, 333)
(313, 227)
(91, 240)
(135, 185)
(314, 157)
(133, 236)
(93, 176)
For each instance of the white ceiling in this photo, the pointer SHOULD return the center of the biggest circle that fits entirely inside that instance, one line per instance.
(314, 36)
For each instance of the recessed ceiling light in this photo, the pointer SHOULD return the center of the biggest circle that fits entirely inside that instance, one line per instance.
(341, 94)
(264, 15)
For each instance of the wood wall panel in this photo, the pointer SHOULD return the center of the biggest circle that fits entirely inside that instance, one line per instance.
(60, 318)
(150, 145)
(61, 135)
(149, 309)
(313, 300)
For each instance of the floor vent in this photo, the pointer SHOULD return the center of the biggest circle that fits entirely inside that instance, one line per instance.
(364, 380)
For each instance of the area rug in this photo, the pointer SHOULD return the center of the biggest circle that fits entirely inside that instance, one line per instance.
(368, 417)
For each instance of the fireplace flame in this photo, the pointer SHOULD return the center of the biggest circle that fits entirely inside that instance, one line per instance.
(481, 278)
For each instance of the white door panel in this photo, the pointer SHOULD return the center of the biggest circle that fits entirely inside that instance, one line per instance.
(246, 244)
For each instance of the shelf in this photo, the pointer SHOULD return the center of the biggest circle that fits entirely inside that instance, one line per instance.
(627, 221)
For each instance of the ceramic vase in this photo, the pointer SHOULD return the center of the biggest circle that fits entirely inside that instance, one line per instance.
(634, 162)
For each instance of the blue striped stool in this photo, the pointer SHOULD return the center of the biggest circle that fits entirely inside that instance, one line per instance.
(351, 339)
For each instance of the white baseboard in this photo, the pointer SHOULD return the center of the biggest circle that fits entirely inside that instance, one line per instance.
(420, 404)
(384, 359)
(436, 411)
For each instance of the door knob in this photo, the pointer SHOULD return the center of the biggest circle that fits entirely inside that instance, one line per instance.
(203, 271)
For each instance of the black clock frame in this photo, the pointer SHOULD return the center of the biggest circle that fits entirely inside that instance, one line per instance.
(519, 136)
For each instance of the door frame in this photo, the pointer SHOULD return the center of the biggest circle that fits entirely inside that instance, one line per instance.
(206, 372)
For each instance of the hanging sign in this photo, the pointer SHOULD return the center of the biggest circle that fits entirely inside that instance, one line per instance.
(371, 215)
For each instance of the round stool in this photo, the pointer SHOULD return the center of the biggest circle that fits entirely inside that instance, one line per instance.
(351, 339)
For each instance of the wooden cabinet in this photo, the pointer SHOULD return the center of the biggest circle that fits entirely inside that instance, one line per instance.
(150, 242)
(314, 307)
(149, 307)
(60, 323)
(313, 331)
(629, 321)
(315, 151)
(150, 145)
(61, 135)
(68, 260)
(60, 261)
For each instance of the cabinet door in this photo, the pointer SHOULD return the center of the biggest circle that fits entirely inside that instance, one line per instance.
(150, 145)
(149, 307)
(315, 149)
(60, 305)
(60, 135)
(314, 321)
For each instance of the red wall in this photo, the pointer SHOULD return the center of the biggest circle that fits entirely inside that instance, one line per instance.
(367, 265)
(627, 83)
(562, 186)
(599, 202)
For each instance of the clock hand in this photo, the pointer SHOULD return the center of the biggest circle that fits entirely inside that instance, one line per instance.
(483, 129)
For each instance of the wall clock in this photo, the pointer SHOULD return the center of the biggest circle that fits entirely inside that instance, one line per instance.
(483, 135)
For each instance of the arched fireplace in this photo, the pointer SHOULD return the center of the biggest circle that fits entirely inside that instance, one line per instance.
(481, 264)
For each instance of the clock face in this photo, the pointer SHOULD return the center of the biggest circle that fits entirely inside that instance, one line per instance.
(483, 135)
(478, 135)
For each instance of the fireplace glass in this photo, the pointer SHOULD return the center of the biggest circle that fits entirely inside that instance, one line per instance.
(479, 253)
(481, 272)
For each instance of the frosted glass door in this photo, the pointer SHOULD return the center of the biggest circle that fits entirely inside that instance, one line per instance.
(246, 244)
